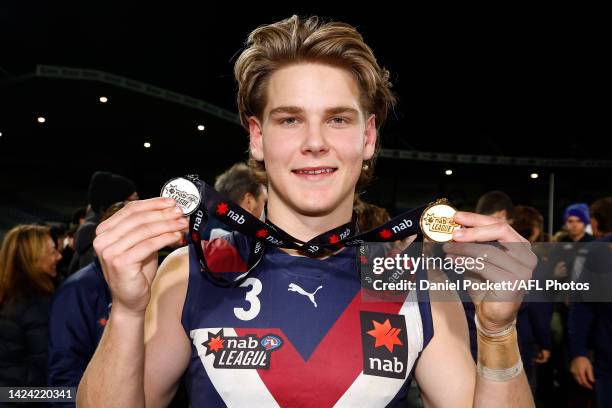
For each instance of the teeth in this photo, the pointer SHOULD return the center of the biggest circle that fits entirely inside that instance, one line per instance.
(314, 171)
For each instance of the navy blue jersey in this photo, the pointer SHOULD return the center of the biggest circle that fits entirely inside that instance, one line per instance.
(297, 333)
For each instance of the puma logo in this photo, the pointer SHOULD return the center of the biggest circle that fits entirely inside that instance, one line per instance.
(295, 288)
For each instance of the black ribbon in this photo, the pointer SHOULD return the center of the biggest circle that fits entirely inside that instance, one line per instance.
(265, 233)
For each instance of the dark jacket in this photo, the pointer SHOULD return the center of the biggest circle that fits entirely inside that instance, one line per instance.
(23, 342)
(590, 323)
(79, 312)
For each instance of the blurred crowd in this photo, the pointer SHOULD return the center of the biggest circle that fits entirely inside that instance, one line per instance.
(54, 301)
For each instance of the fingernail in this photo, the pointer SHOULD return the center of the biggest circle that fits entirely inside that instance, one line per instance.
(177, 210)
(458, 234)
(183, 221)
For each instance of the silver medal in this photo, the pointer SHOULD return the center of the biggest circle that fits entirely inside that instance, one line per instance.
(184, 192)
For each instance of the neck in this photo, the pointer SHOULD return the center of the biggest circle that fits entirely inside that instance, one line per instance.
(305, 226)
(577, 237)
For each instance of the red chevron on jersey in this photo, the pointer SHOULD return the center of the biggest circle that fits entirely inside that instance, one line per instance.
(290, 379)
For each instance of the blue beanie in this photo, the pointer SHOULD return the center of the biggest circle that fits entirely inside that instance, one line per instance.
(579, 210)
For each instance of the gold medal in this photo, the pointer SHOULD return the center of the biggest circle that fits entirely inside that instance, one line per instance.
(437, 221)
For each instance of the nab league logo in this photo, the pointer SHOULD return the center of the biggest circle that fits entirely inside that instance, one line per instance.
(385, 344)
(241, 352)
(184, 192)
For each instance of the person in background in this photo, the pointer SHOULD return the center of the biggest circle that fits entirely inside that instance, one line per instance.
(369, 216)
(496, 204)
(576, 219)
(64, 242)
(240, 184)
(105, 189)
(78, 315)
(593, 321)
(78, 216)
(28, 260)
(534, 318)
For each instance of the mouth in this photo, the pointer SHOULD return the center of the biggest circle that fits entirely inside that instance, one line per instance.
(314, 173)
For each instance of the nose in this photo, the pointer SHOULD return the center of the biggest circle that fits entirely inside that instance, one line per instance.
(315, 141)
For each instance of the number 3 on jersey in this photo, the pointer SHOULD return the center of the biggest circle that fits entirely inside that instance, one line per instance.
(251, 297)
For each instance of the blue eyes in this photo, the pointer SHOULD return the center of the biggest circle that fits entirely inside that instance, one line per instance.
(335, 121)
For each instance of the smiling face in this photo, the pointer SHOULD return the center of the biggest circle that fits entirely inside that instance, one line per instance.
(313, 137)
(50, 258)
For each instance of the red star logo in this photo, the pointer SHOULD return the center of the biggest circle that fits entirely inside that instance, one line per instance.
(222, 208)
(102, 322)
(385, 233)
(262, 233)
(215, 343)
(363, 260)
(334, 239)
(385, 335)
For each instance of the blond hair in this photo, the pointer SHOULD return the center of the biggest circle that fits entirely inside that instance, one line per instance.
(295, 40)
(20, 254)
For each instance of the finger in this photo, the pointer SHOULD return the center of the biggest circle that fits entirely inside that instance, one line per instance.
(499, 231)
(123, 265)
(134, 221)
(589, 374)
(144, 249)
(140, 234)
(492, 255)
(470, 219)
(508, 290)
(157, 203)
(518, 247)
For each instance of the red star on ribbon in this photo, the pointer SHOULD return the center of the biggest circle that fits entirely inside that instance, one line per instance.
(334, 239)
(222, 208)
(385, 233)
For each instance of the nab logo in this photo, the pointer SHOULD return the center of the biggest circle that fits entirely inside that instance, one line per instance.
(198, 220)
(223, 209)
(241, 352)
(405, 224)
(385, 344)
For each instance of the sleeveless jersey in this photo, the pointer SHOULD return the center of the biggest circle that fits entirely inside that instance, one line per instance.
(297, 333)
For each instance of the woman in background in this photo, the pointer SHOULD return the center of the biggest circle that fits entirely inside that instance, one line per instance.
(28, 261)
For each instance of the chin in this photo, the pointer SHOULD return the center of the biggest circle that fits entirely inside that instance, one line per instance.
(315, 206)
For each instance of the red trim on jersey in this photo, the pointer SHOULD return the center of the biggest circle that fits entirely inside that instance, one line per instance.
(332, 367)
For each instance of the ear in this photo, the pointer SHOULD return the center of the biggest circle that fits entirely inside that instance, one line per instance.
(256, 139)
(370, 138)
(248, 202)
(504, 215)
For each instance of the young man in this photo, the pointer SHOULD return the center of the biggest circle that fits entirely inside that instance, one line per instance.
(312, 97)
(576, 218)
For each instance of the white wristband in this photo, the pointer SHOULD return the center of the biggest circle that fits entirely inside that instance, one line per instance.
(500, 375)
(502, 333)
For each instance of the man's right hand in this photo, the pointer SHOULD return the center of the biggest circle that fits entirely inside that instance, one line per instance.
(127, 245)
(582, 370)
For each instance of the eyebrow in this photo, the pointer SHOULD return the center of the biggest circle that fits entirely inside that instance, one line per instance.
(329, 111)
